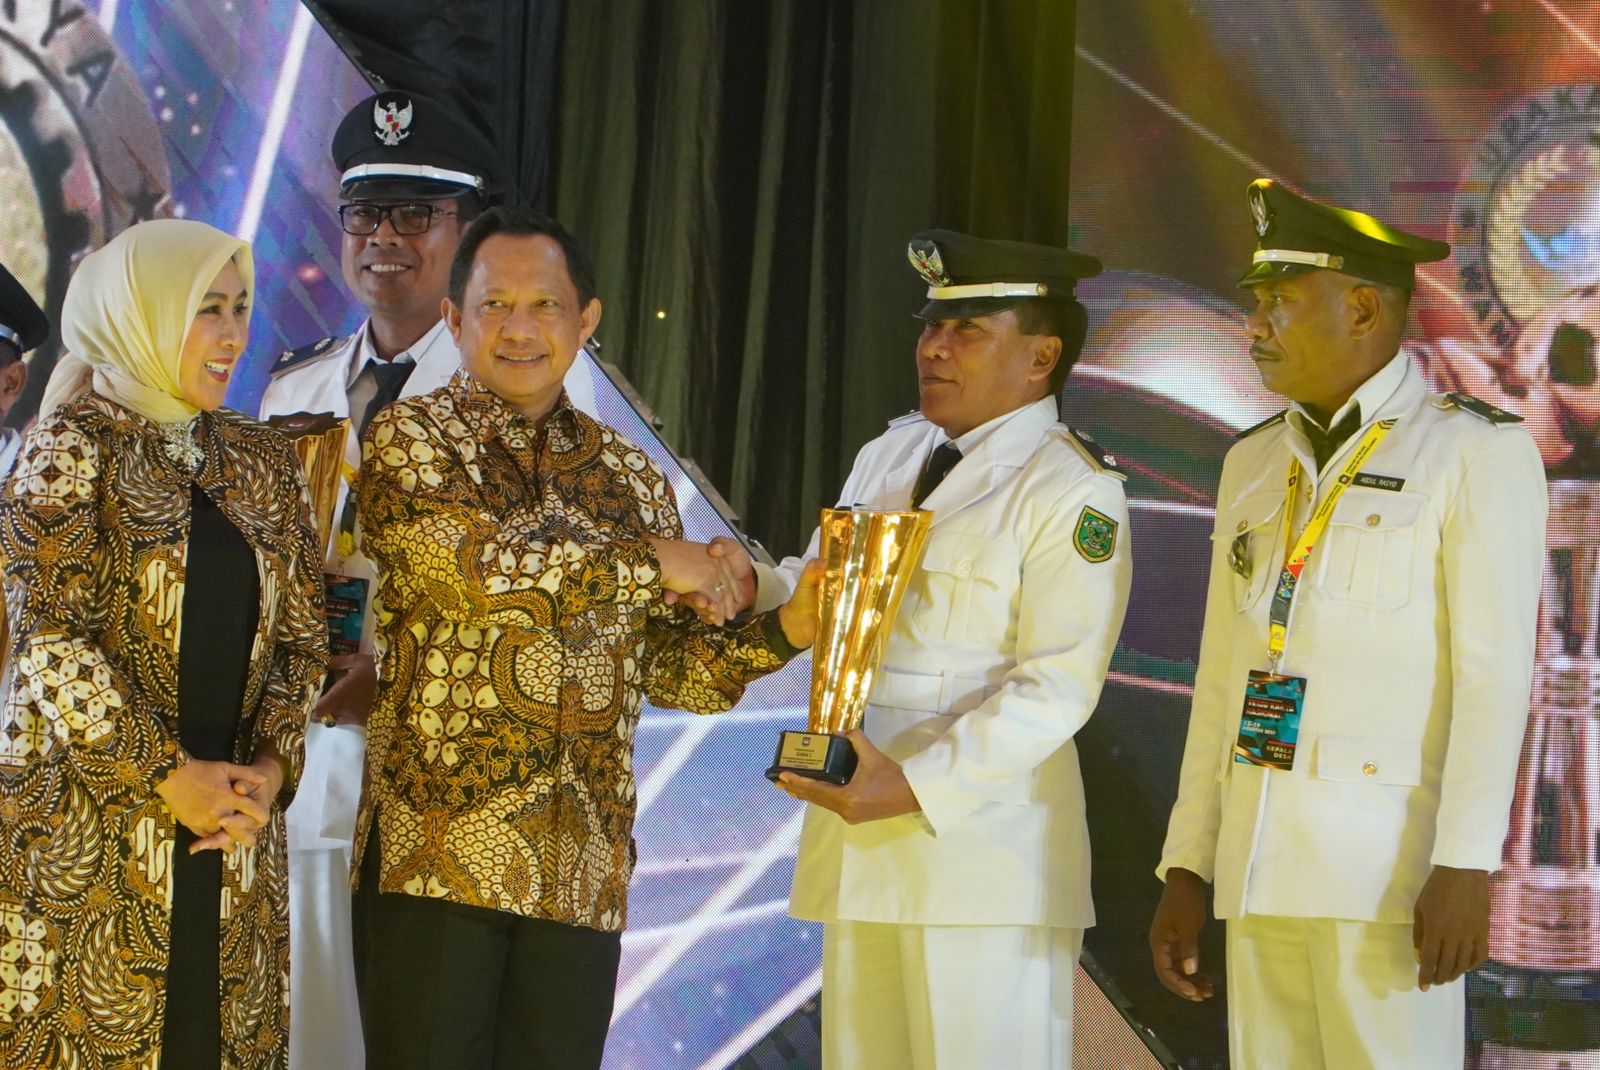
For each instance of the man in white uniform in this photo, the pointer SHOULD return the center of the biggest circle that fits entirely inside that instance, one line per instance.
(23, 326)
(1364, 672)
(952, 872)
(413, 175)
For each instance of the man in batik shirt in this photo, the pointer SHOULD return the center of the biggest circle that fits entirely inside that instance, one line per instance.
(526, 556)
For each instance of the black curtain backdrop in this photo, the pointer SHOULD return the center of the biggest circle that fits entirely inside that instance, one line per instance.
(493, 59)
(746, 174)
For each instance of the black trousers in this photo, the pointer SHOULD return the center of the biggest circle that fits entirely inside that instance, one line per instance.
(452, 987)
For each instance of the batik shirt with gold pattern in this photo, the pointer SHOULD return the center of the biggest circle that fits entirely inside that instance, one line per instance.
(520, 624)
(94, 531)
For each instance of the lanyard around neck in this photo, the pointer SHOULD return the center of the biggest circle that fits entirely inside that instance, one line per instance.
(1297, 552)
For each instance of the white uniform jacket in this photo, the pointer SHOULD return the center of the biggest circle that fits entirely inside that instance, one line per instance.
(995, 660)
(1414, 627)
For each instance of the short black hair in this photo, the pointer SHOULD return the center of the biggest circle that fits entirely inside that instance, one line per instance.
(8, 352)
(519, 222)
(1063, 317)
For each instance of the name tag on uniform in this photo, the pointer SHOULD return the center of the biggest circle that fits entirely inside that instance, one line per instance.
(1377, 482)
(1269, 726)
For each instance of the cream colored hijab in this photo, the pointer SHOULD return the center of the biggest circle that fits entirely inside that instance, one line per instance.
(128, 310)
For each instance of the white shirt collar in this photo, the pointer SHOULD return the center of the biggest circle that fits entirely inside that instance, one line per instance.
(1371, 395)
(978, 435)
(367, 350)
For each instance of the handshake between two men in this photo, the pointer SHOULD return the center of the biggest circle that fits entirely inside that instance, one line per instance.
(717, 580)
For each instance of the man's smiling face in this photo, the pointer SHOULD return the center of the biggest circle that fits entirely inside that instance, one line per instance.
(401, 277)
(521, 322)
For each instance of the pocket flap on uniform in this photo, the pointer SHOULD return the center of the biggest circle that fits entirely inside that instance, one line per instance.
(1373, 758)
(1378, 510)
(1246, 514)
(957, 553)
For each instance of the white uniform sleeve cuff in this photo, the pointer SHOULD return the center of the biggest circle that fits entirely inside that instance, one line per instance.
(1202, 868)
(772, 588)
(941, 806)
(1458, 855)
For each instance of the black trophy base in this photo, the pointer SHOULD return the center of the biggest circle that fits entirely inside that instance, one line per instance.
(816, 755)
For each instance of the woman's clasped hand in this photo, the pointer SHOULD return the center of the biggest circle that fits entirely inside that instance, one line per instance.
(223, 804)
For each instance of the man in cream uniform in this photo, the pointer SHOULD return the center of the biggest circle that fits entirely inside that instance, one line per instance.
(1364, 671)
(413, 175)
(952, 872)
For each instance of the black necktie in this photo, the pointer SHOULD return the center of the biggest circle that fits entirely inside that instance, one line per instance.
(391, 376)
(939, 464)
(1324, 444)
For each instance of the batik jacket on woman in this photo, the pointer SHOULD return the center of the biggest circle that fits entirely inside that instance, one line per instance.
(520, 623)
(94, 529)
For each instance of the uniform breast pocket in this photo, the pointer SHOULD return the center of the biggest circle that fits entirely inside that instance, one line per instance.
(1249, 530)
(1369, 759)
(1367, 554)
(965, 588)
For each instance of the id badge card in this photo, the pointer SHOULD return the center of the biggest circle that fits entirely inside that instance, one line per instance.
(1269, 726)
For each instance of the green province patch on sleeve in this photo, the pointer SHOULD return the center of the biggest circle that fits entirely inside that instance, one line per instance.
(1096, 536)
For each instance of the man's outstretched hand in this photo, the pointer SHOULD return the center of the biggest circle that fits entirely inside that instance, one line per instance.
(716, 579)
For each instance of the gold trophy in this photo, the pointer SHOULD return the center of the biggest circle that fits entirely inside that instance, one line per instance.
(319, 440)
(870, 557)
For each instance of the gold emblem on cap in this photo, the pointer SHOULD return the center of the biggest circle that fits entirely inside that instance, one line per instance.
(924, 256)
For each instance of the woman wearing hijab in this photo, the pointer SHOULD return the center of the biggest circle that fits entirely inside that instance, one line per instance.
(167, 642)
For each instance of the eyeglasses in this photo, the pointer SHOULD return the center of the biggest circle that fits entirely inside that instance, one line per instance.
(363, 219)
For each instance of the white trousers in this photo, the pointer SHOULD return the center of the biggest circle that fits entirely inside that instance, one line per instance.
(974, 997)
(324, 1014)
(1309, 993)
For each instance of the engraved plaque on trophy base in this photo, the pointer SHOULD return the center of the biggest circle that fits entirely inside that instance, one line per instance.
(816, 755)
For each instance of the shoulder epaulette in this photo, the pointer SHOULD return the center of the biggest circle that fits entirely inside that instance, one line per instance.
(1479, 408)
(911, 417)
(293, 358)
(1263, 425)
(1092, 451)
